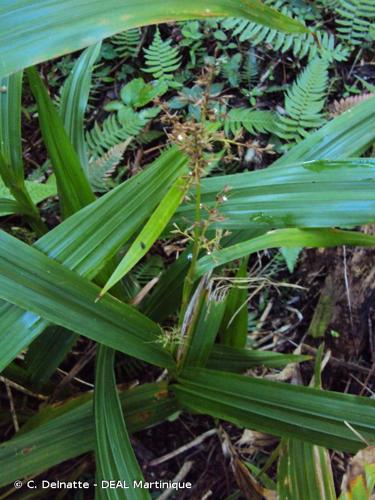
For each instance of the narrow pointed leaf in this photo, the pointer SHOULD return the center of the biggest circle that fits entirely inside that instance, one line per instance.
(278, 408)
(304, 472)
(10, 128)
(115, 457)
(312, 238)
(203, 329)
(311, 194)
(69, 25)
(64, 431)
(232, 359)
(11, 162)
(150, 233)
(73, 187)
(234, 326)
(9, 207)
(350, 134)
(89, 239)
(36, 283)
(74, 99)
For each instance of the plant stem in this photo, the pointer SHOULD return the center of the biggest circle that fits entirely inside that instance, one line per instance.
(189, 280)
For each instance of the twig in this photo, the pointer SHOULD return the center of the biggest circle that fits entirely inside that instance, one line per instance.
(184, 471)
(347, 288)
(18, 387)
(198, 440)
(364, 384)
(12, 407)
(77, 368)
(339, 362)
(144, 291)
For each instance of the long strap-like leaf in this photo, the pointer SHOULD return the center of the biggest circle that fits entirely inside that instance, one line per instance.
(278, 408)
(74, 99)
(64, 431)
(313, 238)
(73, 186)
(36, 283)
(11, 162)
(152, 230)
(89, 239)
(312, 194)
(115, 457)
(69, 25)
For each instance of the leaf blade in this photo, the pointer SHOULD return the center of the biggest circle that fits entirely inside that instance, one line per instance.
(89, 239)
(116, 462)
(313, 238)
(36, 283)
(277, 408)
(73, 187)
(151, 231)
(92, 21)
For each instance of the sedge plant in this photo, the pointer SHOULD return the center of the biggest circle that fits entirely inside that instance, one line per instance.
(67, 283)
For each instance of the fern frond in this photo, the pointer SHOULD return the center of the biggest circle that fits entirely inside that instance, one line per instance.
(230, 69)
(354, 19)
(327, 4)
(102, 168)
(339, 107)
(253, 121)
(161, 58)
(127, 43)
(101, 138)
(304, 102)
(250, 72)
(301, 45)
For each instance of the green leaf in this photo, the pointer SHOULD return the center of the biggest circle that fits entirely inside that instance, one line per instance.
(115, 457)
(10, 128)
(254, 121)
(304, 472)
(88, 240)
(231, 359)
(36, 283)
(277, 408)
(304, 102)
(74, 99)
(203, 324)
(290, 256)
(38, 191)
(69, 25)
(11, 162)
(137, 93)
(312, 238)
(312, 194)
(9, 207)
(233, 330)
(151, 231)
(63, 431)
(350, 134)
(73, 186)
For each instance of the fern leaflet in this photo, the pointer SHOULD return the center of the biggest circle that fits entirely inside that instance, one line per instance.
(161, 58)
(304, 102)
(253, 121)
(127, 43)
(101, 138)
(355, 18)
(101, 168)
(301, 45)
